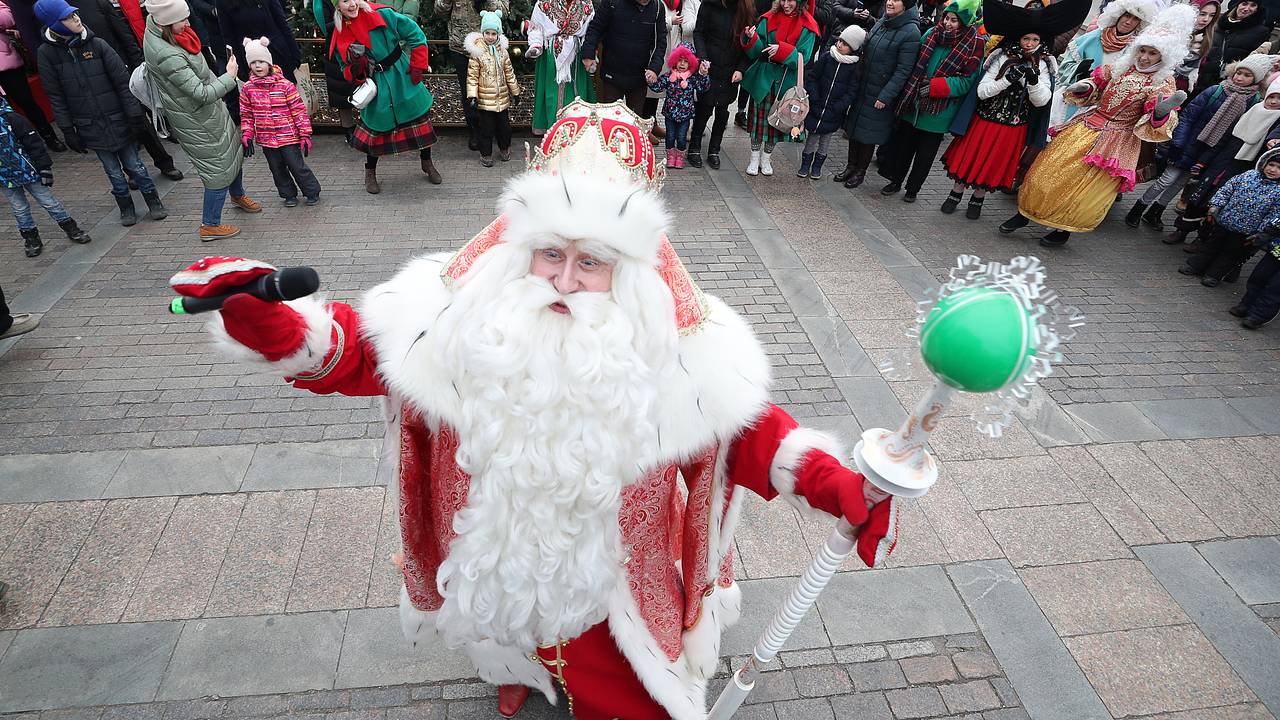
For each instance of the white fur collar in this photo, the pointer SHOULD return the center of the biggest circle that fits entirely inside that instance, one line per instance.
(478, 48)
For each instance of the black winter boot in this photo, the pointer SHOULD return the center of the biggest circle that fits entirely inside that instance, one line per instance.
(73, 231)
(33, 245)
(155, 208)
(128, 216)
(1134, 218)
(815, 171)
(1152, 217)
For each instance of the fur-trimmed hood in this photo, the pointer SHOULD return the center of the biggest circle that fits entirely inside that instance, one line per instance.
(478, 48)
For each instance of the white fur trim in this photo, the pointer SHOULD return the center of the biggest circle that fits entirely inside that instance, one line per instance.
(505, 665)
(782, 472)
(890, 539)
(477, 51)
(1144, 10)
(672, 684)
(720, 611)
(417, 626)
(315, 343)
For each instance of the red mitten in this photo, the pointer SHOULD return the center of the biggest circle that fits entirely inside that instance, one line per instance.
(831, 487)
(415, 75)
(213, 276)
(271, 328)
(939, 88)
(879, 535)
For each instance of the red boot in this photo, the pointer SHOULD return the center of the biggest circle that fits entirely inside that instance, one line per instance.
(511, 698)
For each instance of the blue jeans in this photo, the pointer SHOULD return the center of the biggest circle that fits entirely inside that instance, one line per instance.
(125, 160)
(43, 195)
(677, 133)
(215, 198)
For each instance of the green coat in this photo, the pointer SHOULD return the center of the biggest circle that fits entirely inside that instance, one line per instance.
(765, 74)
(193, 105)
(398, 100)
(957, 89)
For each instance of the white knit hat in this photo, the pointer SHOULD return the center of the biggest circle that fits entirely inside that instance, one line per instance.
(853, 36)
(168, 12)
(257, 50)
(1259, 65)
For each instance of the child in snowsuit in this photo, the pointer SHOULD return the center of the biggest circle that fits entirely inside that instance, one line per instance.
(491, 86)
(1203, 124)
(681, 83)
(26, 169)
(1261, 301)
(1239, 210)
(273, 115)
(831, 82)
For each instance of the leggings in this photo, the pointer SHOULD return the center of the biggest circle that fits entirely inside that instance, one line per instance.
(702, 113)
(820, 143)
(371, 161)
(1163, 190)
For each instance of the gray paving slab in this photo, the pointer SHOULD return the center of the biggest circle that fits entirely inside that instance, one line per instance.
(848, 207)
(1251, 566)
(887, 248)
(292, 466)
(892, 604)
(760, 600)
(180, 471)
(915, 280)
(802, 293)
(66, 476)
(749, 213)
(844, 427)
(374, 653)
(1046, 677)
(48, 668)
(873, 403)
(838, 348)
(1107, 422)
(1048, 423)
(773, 249)
(1261, 412)
(728, 181)
(1196, 418)
(6, 639)
(1248, 645)
(255, 655)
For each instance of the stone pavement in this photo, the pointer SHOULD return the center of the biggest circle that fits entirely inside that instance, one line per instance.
(186, 539)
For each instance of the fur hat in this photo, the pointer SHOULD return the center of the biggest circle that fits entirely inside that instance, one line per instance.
(1144, 10)
(53, 12)
(1170, 35)
(1259, 65)
(683, 51)
(853, 36)
(168, 12)
(257, 50)
(491, 20)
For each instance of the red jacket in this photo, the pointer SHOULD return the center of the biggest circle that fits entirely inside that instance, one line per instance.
(272, 113)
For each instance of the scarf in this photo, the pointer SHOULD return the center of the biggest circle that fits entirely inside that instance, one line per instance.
(841, 57)
(188, 40)
(786, 28)
(1113, 41)
(16, 168)
(964, 50)
(1235, 102)
(681, 78)
(1252, 129)
(356, 30)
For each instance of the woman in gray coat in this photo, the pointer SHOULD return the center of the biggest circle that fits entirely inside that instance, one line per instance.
(888, 56)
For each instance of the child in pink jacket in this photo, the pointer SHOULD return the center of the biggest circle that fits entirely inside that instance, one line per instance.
(273, 115)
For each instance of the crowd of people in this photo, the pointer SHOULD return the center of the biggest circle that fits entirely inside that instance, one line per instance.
(1071, 117)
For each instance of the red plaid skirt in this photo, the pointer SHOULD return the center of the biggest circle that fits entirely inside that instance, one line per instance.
(413, 135)
(758, 121)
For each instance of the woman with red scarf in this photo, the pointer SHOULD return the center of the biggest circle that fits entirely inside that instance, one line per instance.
(374, 42)
(783, 39)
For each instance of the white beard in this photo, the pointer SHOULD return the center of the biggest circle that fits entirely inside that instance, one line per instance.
(556, 419)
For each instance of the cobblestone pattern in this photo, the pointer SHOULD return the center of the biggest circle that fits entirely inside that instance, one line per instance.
(944, 677)
(109, 368)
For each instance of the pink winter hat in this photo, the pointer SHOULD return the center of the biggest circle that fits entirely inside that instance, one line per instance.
(682, 52)
(257, 50)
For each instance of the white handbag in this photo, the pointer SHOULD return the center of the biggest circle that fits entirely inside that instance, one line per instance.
(364, 94)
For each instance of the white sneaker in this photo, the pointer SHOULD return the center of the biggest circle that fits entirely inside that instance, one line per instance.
(766, 164)
(753, 167)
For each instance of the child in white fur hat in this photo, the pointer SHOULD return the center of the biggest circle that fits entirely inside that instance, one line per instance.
(273, 115)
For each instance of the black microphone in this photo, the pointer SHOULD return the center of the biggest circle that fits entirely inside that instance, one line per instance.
(286, 284)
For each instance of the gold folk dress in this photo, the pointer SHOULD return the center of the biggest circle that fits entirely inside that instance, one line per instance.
(1094, 155)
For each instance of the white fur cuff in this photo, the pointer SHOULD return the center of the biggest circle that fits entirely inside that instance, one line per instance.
(416, 625)
(309, 357)
(786, 462)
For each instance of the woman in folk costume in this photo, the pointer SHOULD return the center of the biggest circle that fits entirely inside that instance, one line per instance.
(374, 42)
(1074, 182)
(950, 57)
(777, 46)
(573, 428)
(555, 33)
(1117, 25)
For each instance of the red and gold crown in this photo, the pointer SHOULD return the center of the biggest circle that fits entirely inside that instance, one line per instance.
(606, 141)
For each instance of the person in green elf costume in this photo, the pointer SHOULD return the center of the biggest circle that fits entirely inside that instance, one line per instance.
(949, 64)
(374, 42)
(555, 33)
(783, 38)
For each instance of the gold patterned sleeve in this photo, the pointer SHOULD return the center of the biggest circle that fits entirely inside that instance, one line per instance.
(1150, 129)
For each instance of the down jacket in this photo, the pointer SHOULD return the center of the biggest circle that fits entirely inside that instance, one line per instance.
(88, 87)
(831, 86)
(889, 56)
(635, 40)
(240, 19)
(490, 80)
(10, 58)
(192, 97)
(272, 113)
(1232, 41)
(1184, 149)
(716, 39)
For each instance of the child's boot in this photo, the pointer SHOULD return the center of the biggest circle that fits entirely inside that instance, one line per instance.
(753, 167)
(32, 239)
(815, 172)
(806, 164)
(671, 158)
(1177, 237)
(128, 216)
(1152, 217)
(679, 159)
(73, 231)
(155, 208)
(1134, 218)
(974, 210)
(766, 163)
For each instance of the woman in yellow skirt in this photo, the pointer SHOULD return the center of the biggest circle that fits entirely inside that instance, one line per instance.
(1093, 156)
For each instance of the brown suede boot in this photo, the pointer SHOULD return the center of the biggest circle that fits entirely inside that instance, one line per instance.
(433, 175)
(371, 185)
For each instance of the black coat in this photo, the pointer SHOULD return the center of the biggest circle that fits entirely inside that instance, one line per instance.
(715, 39)
(204, 18)
(1232, 41)
(32, 144)
(240, 19)
(889, 54)
(831, 86)
(111, 26)
(88, 87)
(833, 16)
(634, 38)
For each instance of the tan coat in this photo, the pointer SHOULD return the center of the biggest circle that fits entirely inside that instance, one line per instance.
(491, 85)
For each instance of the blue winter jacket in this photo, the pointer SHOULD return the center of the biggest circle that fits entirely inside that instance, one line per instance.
(1246, 202)
(1184, 151)
(831, 86)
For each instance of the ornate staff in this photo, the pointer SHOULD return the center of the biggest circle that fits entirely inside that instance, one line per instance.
(991, 328)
